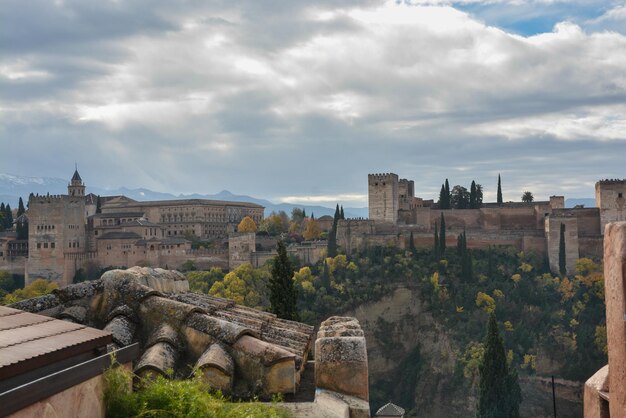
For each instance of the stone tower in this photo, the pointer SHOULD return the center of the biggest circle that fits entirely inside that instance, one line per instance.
(611, 200)
(76, 186)
(56, 234)
(383, 193)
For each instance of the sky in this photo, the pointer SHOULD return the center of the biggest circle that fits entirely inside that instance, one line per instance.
(298, 101)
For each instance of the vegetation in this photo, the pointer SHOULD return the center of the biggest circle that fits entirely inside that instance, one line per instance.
(39, 287)
(528, 197)
(544, 318)
(283, 294)
(499, 198)
(499, 394)
(247, 224)
(161, 397)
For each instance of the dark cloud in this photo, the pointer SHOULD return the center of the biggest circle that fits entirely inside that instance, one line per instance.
(276, 99)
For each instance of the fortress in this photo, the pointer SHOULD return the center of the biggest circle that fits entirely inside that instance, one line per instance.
(395, 212)
(66, 234)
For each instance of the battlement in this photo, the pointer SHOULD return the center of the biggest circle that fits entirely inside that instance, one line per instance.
(607, 182)
(382, 177)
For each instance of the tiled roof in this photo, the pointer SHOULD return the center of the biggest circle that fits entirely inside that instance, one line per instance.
(390, 410)
(29, 341)
(192, 202)
(76, 176)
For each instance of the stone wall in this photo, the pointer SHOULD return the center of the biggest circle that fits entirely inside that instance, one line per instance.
(611, 200)
(553, 234)
(383, 197)
(240, 249)
(56, 227)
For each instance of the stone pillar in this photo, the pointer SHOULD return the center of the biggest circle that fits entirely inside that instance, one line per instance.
(341, 358)
(615, 298)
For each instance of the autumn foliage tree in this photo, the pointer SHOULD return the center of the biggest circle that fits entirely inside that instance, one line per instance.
(247, 224)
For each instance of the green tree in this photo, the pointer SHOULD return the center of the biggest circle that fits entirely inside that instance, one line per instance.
(527, 197)
(332, 235)
(341, 214)
(98, 204)
(20, 208)
(479, 195)
(562, 261)
(472, 199)
(283, 293)
(499, 394)
(442, 197)
(447, 187)
(311, 230)
(460, 197)
(8, 217)
(499, 189)
(411, 243)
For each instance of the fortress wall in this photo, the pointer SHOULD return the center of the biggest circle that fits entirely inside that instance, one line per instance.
(591, 247)
(588, 220)
(553, 232)
(518, 219)
(534, 243)
(383, 197)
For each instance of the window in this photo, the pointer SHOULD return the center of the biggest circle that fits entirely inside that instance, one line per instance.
(619, 195)
(45, 245)
(38, 245)
(52, 245)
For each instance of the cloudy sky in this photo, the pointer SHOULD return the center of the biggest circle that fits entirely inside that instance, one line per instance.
(299, 101)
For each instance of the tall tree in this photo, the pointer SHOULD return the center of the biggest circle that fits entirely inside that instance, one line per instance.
(21, 227)
(459, 198)
(472, 199)
(8, 217)
(499, 394)
(479, 195)
(447, 184)
(442, 197)
(411, 243)
(499, 189)
(331, 249)
(98, 204)
(341, 214)
(283, 293)
(442, 236)
(20, 208)
(562, 260)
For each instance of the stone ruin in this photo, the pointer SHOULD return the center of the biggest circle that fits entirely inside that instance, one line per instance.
(241, 351)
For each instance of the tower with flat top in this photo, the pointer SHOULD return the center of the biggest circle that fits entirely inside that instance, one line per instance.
(383, 202)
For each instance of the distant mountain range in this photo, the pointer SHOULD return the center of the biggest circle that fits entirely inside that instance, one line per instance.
(13, 187)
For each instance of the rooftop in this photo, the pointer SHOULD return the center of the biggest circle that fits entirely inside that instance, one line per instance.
(29, 341)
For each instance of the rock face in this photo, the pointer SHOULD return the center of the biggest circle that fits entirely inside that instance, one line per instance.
(239, 350)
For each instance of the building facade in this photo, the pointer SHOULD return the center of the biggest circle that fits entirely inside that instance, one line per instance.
(66, 233)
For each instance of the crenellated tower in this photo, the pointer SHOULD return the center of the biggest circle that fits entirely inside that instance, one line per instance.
(611, 200)
(383, 197)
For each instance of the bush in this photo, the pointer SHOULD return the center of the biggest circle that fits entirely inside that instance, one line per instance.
(163, 397)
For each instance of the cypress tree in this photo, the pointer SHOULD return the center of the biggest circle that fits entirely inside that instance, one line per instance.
(8, 217)
(437, 243)
(326, 277)
(442, 236)
(20, 208)
(448, 201)
(341, 215)
(98, 205)
(332, 236)
(411, 243)
(490, 262)
(562, 261)
(499, 189)
(499, 394)
(283, 293)
(473, 204)
(303, 213)
(442, 197)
